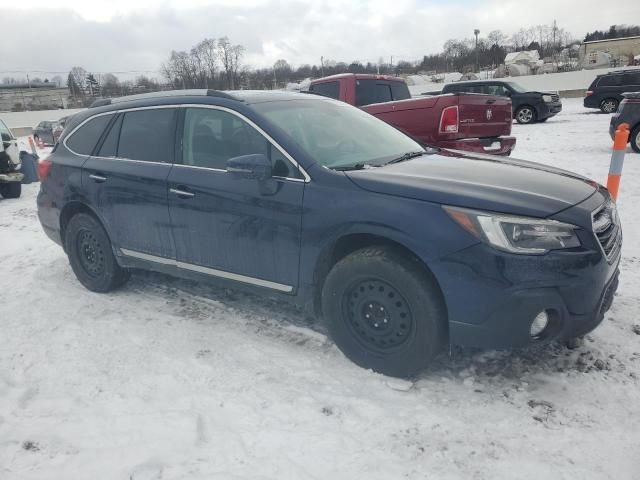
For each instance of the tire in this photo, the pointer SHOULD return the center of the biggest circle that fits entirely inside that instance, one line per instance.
(384, 311)
(634, 139)
(91, 256)
(525, 115)
(609, 105)
(11, 189)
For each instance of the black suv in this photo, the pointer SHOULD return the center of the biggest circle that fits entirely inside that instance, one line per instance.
(528, 106)
(629, 113)
(605, 92)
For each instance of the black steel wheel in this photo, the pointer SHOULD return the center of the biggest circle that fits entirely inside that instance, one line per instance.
(91, 255)
(378, 315)
(385, 311)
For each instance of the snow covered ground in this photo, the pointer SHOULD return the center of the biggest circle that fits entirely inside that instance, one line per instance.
(174, 380)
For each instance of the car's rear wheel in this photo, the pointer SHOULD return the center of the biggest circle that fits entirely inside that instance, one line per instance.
(11, 189)
(634, 139)
(91, 256)
(525, 115)
(384, 311)
(609, 105)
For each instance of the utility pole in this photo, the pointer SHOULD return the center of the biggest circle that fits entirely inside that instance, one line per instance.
(476, 32)
(322, 65)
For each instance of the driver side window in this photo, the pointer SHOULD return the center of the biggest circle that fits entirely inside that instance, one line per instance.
(211, 137)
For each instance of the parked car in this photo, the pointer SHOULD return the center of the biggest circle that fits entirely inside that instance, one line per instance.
(466, 122)
(44, 131)
(10, 164)
(628, 112)
(528, 106)
(401, 250)
(605, 92)
(58, 128)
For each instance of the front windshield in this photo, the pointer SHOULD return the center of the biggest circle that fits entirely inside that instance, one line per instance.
(517, 87)
(337, 135)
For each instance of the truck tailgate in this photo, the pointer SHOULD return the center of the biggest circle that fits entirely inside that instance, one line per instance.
(484, 115)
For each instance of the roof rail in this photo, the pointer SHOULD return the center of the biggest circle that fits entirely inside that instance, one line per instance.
(163, 94)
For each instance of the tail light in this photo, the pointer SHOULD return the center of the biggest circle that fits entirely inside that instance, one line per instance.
(449, 120)
(588, 93)
(44, 167)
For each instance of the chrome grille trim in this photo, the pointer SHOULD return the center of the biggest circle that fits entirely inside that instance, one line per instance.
(607, 230)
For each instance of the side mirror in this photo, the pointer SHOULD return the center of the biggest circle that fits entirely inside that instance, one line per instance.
(256, 166)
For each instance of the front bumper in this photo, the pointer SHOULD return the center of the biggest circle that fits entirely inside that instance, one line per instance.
(494, 146)
(11, 177)
(547, 110)
(492, 297)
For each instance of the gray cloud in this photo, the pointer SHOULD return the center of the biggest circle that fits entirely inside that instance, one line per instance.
(55, 39)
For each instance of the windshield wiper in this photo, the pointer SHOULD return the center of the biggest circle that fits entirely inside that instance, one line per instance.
(406, 156)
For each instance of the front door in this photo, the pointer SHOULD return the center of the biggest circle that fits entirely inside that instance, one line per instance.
(127, 181)
(240, 229)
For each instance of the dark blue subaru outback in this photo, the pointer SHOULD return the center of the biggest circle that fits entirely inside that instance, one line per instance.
(400, 249)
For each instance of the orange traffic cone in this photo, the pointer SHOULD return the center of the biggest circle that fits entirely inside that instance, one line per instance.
(617, 159)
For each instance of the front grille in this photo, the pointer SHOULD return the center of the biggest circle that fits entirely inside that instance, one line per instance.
(606, 226)
(555, 98)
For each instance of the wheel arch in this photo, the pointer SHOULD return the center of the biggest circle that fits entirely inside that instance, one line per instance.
(73, 208)
(351, 242)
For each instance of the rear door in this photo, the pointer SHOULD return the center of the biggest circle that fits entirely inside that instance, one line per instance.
(126, 180)
(487, 115)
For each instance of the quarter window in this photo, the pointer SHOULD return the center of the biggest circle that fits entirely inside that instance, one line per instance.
(148, 135)
(84, 140)
(211, 137)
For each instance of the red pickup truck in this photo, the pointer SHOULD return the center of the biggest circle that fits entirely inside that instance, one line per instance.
(472, 122)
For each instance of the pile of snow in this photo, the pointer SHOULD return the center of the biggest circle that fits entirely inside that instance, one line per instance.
(171, 379)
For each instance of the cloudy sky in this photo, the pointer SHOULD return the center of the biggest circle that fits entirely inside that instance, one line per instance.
(137, 35)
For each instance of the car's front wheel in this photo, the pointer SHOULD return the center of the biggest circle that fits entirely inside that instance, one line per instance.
(525, 115)
(91, 256)
(384, 311)
(609, 105)
(634, 139)
(11, 189)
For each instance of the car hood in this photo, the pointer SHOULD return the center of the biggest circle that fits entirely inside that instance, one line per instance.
(483, 182)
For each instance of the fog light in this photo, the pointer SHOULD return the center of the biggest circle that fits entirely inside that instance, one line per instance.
(539, 324)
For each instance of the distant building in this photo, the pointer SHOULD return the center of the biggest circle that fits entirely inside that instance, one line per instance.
(620, 51)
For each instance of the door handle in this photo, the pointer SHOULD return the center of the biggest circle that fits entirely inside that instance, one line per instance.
(182, 193)
(97, 178)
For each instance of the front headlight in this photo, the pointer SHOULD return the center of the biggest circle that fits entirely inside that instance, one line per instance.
(530, 236)
(547, 98)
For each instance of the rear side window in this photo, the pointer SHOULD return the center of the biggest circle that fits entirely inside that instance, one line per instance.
(400, 91)
(84, 140)
(327, 89)
(372, 91)
(632, 78)
(148, 135)
(610, 81)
